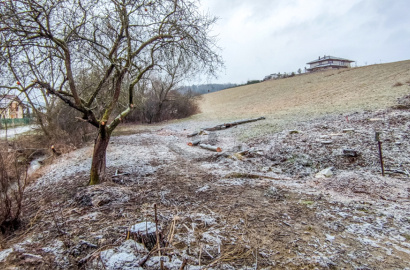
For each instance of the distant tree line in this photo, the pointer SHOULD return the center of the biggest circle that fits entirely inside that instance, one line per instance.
(281, 76)
(206, 88)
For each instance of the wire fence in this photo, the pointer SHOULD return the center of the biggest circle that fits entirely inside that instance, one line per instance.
(15, 122)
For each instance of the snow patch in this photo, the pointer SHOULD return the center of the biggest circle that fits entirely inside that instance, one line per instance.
(5, 253)
(144, 227)
(126, 256)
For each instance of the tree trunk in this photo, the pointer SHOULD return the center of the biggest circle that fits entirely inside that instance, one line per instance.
(98, 163)
(157, 117)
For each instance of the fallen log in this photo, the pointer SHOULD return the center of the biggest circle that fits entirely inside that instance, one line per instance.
(210, 147)
(192, 134)
(218, 127)
(194, 143)
(398, 171)
(253, 176)
(232, 124)
(240, 122)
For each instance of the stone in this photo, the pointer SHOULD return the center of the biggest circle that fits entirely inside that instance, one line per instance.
(126, 256)
(327, 142)
(325, 173)
(294, 131)
(143, 227)
(350, 153)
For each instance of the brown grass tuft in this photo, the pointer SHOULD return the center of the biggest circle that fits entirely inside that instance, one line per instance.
(397, 84)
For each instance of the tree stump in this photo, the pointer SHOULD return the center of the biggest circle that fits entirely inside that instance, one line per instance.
(145, 233)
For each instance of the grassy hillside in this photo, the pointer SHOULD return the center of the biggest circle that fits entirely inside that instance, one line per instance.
(310, 95)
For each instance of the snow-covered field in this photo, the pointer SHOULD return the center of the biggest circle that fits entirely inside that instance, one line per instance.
(302, 189)
(265, 208)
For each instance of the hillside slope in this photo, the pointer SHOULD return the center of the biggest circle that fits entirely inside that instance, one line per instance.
(338, 91)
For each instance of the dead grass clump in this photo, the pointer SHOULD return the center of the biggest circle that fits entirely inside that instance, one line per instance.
(397, 84)
(242, 175)
(403, 103)
(234, 253)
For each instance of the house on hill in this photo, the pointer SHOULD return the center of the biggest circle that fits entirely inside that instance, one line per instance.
(328, 62)
(11, 107)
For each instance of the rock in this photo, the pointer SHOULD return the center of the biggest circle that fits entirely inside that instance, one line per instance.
(126, 256)
(143, 227)
(325, 173)
(326, 142)
(169, 263)
(330, 238)
(350, 153)
(294, 131)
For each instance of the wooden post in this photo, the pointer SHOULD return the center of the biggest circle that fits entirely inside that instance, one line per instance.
(156, 229)
(377, 138)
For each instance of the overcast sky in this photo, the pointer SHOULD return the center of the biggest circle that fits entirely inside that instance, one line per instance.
(260, 37)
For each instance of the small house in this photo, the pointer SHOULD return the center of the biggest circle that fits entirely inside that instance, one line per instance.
(11, 107)
(328, 62)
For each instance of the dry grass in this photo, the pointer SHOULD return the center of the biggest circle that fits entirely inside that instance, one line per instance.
(311, 95)
(265, 210)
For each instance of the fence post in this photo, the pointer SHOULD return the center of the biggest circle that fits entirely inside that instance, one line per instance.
(377, 138)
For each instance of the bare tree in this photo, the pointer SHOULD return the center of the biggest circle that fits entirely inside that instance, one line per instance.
(47, 44)
(162, 84)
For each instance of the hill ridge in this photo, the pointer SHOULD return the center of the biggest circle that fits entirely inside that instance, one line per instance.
(334, 91)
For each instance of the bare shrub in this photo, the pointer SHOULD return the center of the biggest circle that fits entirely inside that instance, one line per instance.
(176, 106)
(75, 130)
(13, 180)
(183, 105)
(63, 128)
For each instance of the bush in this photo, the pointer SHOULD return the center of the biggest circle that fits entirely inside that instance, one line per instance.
(253, 81)
(64, 128)
(13, 180)
(175, 106)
